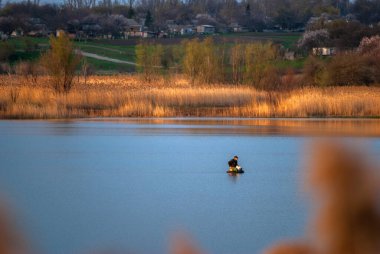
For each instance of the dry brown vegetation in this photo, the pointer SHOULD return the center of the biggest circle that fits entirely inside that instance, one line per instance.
(11, 241)
(129, 96)
(345, 190)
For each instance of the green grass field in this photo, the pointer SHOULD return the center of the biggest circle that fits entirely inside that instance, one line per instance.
(288, 40)
(30, 48)
(126, 53)
(105, 67)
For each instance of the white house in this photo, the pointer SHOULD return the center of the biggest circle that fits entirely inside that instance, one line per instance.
(3, 36)
(188, 30)
(133, 29)
(206, 29)
(236, 28)
(324, 51)
(148, 34)
(17, 33)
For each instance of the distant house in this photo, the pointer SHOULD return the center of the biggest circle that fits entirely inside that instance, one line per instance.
(38, 28)
(290, 55)
(17, 33)
(204, 16)
(90, 29)
(324, 51)
(133, 29)
(236, 28)
(188, 30)
(148, 34)
(60, 32)
(162, 34)
(205, 29)
(324, 18)
(3, 36)
(174, 29)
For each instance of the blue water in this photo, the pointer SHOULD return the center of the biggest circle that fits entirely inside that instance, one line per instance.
(88, 185)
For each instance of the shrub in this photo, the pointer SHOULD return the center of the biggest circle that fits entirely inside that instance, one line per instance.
(370, 46)
(345, 69)
(289, 80)
(5, 68)
(258, 63)
(61, 62)
(353, 69)
(202, 61)
(30, 70)
(6, 50)
(270, 80)
(314, 72)
(149, 60)
(172, 58)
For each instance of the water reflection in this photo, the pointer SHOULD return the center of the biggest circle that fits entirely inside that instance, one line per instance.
(202, 126)
(234, 178)
(265, 127)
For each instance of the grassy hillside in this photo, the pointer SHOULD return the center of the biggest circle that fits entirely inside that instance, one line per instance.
(30, 48)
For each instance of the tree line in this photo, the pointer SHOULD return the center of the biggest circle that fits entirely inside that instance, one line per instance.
(255, 15)
(207, 62)
(257, 64)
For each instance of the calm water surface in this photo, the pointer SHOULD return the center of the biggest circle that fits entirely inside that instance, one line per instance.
(85, 185)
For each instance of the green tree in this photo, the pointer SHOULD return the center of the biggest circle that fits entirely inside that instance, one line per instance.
(237, 59)
(211, 70)
(259, 63)
(192, 59)
(61, 62)
(202, 61)
(172, 58)
(149, 60)
(131, 13)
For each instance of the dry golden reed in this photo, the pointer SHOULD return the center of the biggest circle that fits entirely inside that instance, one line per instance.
(127, 96)
(11, 241)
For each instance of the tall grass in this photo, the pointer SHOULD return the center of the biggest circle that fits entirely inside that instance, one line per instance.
(128, 96)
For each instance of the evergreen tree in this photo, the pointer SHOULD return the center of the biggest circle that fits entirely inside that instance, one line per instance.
(131, 13)
(248, 10)
(148, 19)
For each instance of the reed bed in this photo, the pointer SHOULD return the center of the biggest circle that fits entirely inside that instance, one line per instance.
(129, 96)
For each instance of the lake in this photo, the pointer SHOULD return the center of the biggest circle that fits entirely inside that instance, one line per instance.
(130, 184)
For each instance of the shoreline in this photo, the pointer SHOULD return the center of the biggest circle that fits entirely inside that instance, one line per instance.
(200, 118)
(301, 127)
